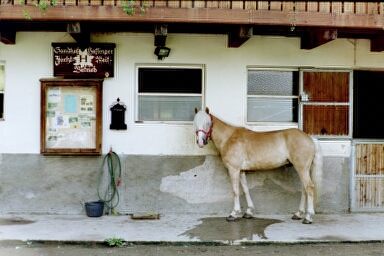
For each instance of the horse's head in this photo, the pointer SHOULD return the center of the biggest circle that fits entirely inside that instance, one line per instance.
(203, 124)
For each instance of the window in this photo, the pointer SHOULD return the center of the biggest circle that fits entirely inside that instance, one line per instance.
(272, 95)
(169, 93)
(2, 85)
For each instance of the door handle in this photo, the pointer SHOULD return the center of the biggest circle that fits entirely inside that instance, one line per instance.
(304, 97)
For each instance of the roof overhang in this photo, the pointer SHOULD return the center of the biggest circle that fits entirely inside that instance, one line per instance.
(239, 24)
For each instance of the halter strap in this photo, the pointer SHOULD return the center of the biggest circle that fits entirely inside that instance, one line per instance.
(209, 132)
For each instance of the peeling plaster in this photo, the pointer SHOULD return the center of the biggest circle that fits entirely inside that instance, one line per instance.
(208, 183)
(27, 194)
(202, 184)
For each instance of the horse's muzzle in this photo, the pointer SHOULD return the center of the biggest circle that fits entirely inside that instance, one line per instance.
(202, 142)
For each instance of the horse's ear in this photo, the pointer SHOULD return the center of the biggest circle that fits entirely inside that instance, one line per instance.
(207, 110)
(196, 111)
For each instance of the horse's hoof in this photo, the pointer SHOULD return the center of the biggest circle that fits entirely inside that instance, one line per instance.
(247, 216)
(295, 217)
(305, 221)
(231, 218)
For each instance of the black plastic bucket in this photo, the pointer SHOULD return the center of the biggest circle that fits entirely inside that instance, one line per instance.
(94, 209)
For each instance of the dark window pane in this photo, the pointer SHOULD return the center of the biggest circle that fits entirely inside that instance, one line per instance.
(170, 80)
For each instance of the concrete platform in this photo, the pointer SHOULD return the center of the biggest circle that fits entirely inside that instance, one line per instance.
(193, 228)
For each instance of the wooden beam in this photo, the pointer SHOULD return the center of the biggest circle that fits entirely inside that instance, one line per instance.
(377, 44)
(82, 38)
(239, 36)
(74, 27)
(8, 36)
(161, 31)
(317, 37)
(79, 32)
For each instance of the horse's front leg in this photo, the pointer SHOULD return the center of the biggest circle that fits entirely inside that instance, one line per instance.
(235, 180)
(249, 213)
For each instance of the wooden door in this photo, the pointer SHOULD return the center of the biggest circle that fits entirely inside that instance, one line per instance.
(325, 103)
(368, 180)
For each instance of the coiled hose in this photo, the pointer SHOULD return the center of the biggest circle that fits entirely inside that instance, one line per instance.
(111, 162)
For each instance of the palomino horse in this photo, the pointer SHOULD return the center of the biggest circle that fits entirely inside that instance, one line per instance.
(244, 150)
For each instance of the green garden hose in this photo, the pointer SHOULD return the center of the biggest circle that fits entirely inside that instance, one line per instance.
(112, 161)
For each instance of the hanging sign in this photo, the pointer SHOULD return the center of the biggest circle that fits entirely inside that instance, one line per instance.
(88, 61)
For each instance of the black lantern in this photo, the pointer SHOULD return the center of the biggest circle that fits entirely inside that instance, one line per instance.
(118, 116)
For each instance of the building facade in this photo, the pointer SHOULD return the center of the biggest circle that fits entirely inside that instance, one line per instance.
(263, 65)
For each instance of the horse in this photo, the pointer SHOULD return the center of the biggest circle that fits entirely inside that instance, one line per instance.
(243, 150)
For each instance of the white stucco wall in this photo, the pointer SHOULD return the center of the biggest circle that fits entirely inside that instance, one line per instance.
(31, 180)
(226, 75)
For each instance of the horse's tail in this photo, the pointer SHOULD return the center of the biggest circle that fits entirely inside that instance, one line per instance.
(317, 171)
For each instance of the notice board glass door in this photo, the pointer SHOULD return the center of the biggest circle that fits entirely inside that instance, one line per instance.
(71, 116)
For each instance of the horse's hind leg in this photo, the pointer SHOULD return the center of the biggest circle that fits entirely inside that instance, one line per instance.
(309, 189)
(249, 213)
(306, 203)
(303, 202)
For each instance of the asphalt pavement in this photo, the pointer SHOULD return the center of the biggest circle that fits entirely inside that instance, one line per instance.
(352, 227)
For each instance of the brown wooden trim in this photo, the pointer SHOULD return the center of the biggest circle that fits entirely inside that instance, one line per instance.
(7, 33)
(79, 32)
(8, 36)
(239, 36)
(161, 32)
(317, 37)
(337, 7)
(377, 44)
(195, 15)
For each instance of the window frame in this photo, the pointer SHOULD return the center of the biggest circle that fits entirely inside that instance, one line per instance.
(169, 66)
(272, 123)
(2, 118)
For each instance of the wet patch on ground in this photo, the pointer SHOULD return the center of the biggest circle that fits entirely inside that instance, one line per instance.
(213, 229)
(14, 221)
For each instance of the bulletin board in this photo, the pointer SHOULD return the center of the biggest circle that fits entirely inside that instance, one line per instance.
(71, 116)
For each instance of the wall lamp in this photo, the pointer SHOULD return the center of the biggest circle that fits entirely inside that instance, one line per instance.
(162, 52)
